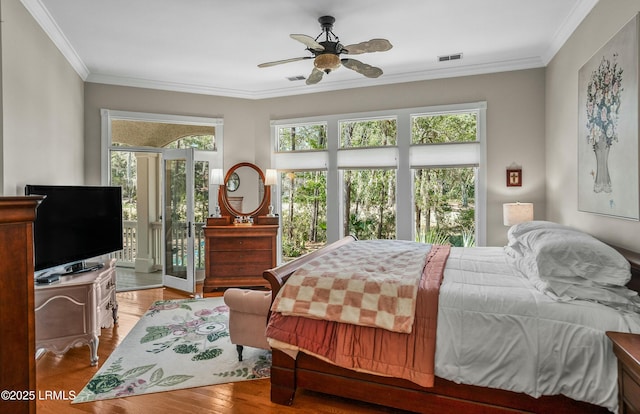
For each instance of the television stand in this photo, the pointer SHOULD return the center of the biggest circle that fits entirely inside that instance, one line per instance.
(70, 311)
(83, 267)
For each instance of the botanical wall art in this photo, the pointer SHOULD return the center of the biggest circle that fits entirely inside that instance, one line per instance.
(608, 128)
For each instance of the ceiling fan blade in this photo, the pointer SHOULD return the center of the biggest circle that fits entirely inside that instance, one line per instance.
(362, 68)
(315, 77)
(308, 41)
(279, 62)
(373, 45)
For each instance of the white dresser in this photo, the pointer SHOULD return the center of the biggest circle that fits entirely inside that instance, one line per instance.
(71, 311)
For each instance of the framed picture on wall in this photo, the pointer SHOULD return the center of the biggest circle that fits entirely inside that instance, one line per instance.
(514, 177)
(608, 149)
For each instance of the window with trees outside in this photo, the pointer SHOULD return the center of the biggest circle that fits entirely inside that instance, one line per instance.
(444, 198)
(303, 193)
(409, 174)
(369, 194)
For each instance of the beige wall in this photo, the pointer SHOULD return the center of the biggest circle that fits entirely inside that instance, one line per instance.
(42, 107)
(239, 129)
(604, 21)
(515, 123)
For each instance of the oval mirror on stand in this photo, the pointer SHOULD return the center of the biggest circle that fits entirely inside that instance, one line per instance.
(243, 192)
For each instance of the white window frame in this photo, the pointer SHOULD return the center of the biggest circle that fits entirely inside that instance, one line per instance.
(108, 115)
(405, 158)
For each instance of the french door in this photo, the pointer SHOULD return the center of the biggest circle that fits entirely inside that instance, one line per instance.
(178, 270)
(185, 200)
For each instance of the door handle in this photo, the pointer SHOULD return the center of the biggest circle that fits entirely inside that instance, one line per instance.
(189, 229)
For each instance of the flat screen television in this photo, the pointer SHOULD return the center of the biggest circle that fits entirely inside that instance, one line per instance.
(75, 223)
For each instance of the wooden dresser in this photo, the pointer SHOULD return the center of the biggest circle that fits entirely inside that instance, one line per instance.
(17, 328)
(236, 255)
(626, 346)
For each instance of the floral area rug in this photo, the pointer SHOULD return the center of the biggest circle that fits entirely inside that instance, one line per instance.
(176, 344)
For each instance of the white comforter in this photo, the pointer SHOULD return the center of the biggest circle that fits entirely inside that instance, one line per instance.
(496, 330)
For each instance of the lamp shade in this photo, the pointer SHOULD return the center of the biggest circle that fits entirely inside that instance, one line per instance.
(215, 178)
(271, 177)
(514, 213)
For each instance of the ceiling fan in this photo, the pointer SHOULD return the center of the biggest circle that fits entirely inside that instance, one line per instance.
(326, 53)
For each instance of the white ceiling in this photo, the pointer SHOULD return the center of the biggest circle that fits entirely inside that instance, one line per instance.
(214, 46)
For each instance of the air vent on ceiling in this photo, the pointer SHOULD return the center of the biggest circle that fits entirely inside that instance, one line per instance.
(296, 78)
(455, 56)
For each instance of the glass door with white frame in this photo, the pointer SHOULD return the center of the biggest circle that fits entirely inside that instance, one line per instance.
(205, 201)
(178, 268)
(186, 205)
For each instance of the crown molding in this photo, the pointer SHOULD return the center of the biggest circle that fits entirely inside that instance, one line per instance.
(117, 80)
(51, 28)
(570, 24)
(439, 73)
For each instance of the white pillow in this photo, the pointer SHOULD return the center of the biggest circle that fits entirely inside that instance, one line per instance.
(555, 252)
(514, 248)
(566, 289)
(518, 230)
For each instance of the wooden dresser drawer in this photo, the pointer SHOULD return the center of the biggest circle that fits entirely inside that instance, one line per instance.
(240, 263)
(631, 390)
(241, 243)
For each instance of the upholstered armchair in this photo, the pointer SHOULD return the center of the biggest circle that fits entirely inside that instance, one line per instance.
(248, 312)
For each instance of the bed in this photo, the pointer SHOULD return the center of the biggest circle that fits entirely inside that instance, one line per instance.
(493, 384)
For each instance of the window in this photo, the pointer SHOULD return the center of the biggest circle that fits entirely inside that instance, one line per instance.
(368, 133)
(444, 205)
(369, 201)
(199, 142)
(444, 198)
(409, 174)
(441, 128)
(302, 137)
(367, 146)
(304, 212)
(302, 150)
(140, 133)
(124, 172)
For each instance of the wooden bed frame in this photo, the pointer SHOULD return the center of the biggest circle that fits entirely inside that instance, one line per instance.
(311, 373)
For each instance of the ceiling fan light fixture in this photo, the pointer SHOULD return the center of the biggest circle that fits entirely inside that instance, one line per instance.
(326, 53)
(326, 62)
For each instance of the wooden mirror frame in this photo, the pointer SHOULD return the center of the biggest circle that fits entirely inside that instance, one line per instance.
(223, 201)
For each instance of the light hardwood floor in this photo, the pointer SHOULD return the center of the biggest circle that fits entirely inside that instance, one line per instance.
(71, 372)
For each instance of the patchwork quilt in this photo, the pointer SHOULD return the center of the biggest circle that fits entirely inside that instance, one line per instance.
(368, 349)
(368, 283)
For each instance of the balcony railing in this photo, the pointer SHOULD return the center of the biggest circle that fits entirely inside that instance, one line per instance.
(127, 256)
